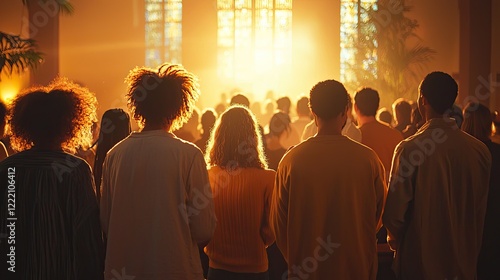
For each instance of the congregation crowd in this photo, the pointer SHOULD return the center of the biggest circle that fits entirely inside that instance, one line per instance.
(328, 187)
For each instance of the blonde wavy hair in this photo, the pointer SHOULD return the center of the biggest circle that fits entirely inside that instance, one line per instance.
(236, 141)
(60, 114)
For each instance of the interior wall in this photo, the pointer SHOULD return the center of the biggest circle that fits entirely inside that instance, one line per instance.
(100, 43)
(439, 30)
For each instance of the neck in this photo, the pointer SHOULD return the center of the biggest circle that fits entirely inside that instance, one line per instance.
(149, 127)
(331, 127)
(362, 120)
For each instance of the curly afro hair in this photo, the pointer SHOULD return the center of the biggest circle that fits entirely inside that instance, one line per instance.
(58, 115)
(163, 97)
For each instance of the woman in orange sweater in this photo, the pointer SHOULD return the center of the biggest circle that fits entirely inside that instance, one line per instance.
(242, 187)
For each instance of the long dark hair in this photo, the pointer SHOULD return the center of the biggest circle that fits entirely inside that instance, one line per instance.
(115, 126)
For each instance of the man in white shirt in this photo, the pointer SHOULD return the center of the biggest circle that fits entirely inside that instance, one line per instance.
(156, 204)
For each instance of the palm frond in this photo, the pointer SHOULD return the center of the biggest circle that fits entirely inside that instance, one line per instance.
(65, 7)
(17, 54)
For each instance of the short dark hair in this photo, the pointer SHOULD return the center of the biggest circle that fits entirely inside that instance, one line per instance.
(440, 90)
(284, 103)
(402, 110)
(240, 99)
(367, 100)
(165, 96)
(303, 106)
(61, 113)
(328, 99)
(208, 118)
(279, 123)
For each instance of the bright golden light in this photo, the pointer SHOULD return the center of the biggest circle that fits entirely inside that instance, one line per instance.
(10, 87)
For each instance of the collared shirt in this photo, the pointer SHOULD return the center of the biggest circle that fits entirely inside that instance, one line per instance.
(436, 203)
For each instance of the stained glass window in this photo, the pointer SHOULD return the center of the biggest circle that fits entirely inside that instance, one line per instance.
(357, 40)
(163, 32)
(254, 39)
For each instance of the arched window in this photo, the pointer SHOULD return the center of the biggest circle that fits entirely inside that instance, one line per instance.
(254, 40)
(163, 31)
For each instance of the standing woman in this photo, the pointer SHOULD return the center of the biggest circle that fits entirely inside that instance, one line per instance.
(115, 126)
(242, 187)
(478, 123)
(48, 205)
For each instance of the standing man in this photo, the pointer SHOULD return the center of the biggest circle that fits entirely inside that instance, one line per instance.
(156, 204)
(438, 191)
(380, 137)
(328, 197)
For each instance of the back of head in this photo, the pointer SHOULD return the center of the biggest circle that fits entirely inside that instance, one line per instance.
(236, 141)
(477, 121)
(208, 118)
(383, 115)
(367, 101)
(59, 115)
(164, 97)
(402, 110)
(115, 126)
(279, 123)
(284, 104)
(440, 90)
(328, 99)
(240, 99)
(303, 106)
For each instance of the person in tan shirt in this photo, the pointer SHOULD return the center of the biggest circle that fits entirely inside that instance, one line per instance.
(438, 192)
(328, 198)
(376, 135)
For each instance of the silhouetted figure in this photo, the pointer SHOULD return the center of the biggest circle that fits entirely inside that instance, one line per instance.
(384, 116)
(402, 114)
(48, 202)
(303, 116)
(156, 204)
(416, 123)
(477, 122)
(242, 187)
(279, 126)
(208, 119)
(438, 190)
(328, 197)
(189, 131)
(240, 99)
(115, 126)
(283, 104)
(376, 135)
